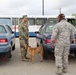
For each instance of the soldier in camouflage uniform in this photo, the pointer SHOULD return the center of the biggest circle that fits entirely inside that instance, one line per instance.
(63, 33)
(23, 37)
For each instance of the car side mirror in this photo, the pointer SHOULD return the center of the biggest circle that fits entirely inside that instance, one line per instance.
(12, 31)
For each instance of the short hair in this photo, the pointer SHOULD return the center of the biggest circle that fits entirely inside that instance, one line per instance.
(61, 16)
(24, 16)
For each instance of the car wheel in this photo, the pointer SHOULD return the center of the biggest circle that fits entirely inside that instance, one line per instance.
(37, 44)
(46, 54)
(9, 54)
(13, 48)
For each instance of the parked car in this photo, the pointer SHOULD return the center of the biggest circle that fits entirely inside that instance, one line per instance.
(7, 40)
(43, 37)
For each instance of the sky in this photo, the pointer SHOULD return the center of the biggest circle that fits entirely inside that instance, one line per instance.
(34, 7)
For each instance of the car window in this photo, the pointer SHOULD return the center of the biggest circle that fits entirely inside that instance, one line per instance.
(40, 28)
(2, 29)
(49, 28)
(31, 21)
(10, 30)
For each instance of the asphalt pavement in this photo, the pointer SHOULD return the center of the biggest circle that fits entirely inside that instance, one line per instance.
(15, 66)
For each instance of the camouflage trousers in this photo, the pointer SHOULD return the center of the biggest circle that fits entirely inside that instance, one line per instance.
(22, 48)
(61, 56)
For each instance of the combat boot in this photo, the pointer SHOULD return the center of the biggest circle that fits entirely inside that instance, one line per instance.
(27, 57)
(64, 70)
(59, 71)
(24, 59)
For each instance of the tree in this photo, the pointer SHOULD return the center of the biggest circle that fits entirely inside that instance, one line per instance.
(74, 15)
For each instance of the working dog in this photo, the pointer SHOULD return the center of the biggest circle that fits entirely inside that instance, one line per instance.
(33, 51)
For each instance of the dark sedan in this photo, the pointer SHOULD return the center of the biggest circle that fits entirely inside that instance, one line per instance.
(44, 37)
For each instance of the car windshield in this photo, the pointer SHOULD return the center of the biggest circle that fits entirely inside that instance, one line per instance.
(2, 29)
(49, 28)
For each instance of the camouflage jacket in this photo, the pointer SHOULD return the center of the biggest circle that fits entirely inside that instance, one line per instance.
(63, 32)
(23, 30)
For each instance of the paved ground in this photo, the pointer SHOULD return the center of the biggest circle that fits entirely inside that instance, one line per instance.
(15, 66)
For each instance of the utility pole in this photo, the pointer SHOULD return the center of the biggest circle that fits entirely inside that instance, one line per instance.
(59, 10)
(42, 7)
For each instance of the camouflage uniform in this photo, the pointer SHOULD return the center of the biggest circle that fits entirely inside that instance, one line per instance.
(23, 33)
(63, 33)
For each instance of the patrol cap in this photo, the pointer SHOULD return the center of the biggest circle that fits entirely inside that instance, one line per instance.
(61, 16)
(24, 16)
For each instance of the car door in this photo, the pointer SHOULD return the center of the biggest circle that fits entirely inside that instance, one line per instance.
(39, 34)
(12, 36)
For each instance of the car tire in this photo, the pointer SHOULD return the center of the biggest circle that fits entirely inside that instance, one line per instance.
(37, 44)
(46, 54)
(13, 48)
(9, 54)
